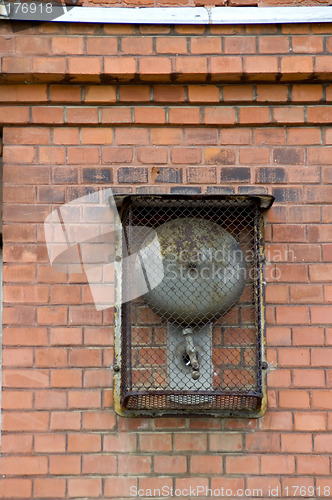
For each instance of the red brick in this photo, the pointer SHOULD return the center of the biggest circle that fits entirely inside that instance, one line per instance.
(10, 114)
(202, 136)
(238, 93)
(150, 66)
(190, 441)
(308, 336)
(201, 175)
(186, 155)
(256, 65)
(23, 93)
(99, 464)
(98, 420)
(22, 488)
(119, 486)
(165, 136)
(132, 136)
(168, 93)
(21, 378)
(277, 421)
(240, 45)
(45, 65)
(24, 336)
(309, 421)
(321, 356)
(224, 65)
(210, 45)
(17, 400)
(304, 136)
(225, 442)
(327, 178)
(242, 465)
(52, 315)
(277, 464)
(134, 93)
(280, 378)
(65, 93)
(296, 443)
(293, 357)
(171, 45)
(68, 45)
(19, 154)
(267, 44)
(63, 465)
(293, 315)
(307, 93)
(321, 399)
(50, 443)
(269, 136)
(155, 442)
(236, 136)
(97, 136)
(66, 336)
(263, 485)
(50, 399)
(185, 116)
(170, 464)
(272, 93)
(117, 155)
(17, 357)
(48, 487)
(150, 115)
(65, 420)
(294, 399)
(29, 466)
(262, 442)
(323, 63)
(97, 94)
(254, 115)
(191, 66)
(120, 442)
(219, 116)
(206, 464)
(294, 65)
(84, 442)
(17, 65)
(66, 378)
(277, 293)
(312, 465)
(319, 114)
(135, 464)
(320, 272)
(81, 66)
(84, 487)
(84, 399)
(288, 115)
(114, 115)
(319, 156)
(254, 156)
(307, 44)
(203, 93)
(323, 443)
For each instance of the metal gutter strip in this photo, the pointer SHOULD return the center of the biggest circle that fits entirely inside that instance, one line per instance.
(174, 15)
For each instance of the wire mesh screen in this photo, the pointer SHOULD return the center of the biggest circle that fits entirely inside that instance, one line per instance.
(192, 341)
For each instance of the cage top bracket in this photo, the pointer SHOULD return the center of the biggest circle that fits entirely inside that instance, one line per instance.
(264, 201)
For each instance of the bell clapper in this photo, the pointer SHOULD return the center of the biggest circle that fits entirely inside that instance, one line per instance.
(191, 351)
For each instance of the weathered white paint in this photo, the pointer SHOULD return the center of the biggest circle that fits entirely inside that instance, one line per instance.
(178, 15)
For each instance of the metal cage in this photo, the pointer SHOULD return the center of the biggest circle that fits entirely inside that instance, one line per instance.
(224, 313)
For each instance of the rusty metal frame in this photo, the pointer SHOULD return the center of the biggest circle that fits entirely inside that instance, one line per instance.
(264, 202)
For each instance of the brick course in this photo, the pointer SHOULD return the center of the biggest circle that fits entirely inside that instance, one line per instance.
(171, 131)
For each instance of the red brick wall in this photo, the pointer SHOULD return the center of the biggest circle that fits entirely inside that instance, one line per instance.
(186, 123)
